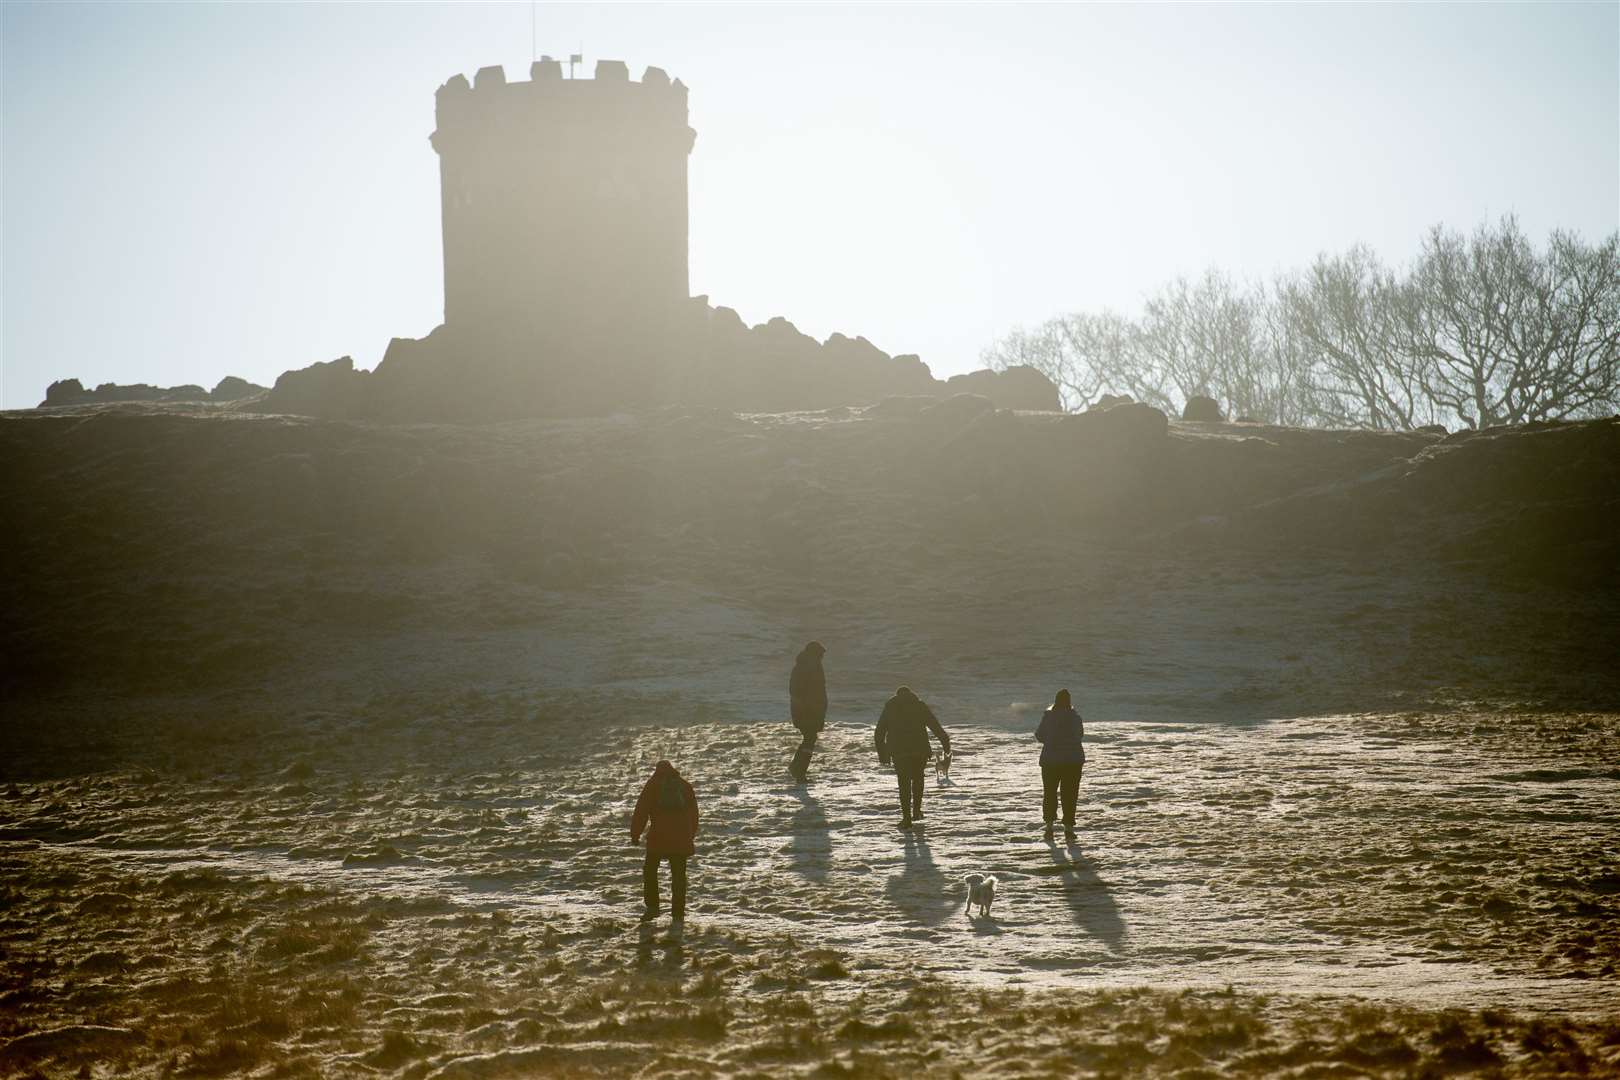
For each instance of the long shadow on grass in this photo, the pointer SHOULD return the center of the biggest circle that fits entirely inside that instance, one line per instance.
(672, 949)
(919, 889)
(1090, 903)
(812, 840)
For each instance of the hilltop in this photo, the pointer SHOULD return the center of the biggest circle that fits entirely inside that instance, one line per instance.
(1164, 569)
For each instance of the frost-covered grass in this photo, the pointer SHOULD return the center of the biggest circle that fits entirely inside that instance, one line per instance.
(1336, 896)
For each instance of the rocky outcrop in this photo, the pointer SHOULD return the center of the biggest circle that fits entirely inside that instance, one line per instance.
(1202, 408)
(1019, 387)
(711, 359)
(234, 388)
(333, 389)
(72, 392)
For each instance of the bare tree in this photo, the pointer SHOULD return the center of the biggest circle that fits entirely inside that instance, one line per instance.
(1351, 315)
(1482, 330)
(1290, 394)
(1506, 335)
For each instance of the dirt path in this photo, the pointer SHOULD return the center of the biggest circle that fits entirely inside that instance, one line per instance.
(1397, 858)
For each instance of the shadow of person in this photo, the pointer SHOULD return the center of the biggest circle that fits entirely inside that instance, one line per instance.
(1090, 903)
(810, 838)
(646, 936)
(674, 948)
(919, 889)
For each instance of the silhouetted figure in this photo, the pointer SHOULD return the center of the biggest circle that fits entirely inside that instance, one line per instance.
(1063, 755)
(807, 703)
(902, 735)
(670, 805)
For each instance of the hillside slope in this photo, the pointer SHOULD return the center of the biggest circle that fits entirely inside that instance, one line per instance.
(172, 554)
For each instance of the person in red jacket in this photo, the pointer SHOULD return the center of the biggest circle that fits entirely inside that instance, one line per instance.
(669, 805)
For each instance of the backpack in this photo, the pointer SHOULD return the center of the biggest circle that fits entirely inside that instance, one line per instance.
(670, 794)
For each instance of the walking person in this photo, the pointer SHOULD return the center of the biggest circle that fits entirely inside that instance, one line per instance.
(669, 806)
(807, 704)
(1061, 734)
(902, 737)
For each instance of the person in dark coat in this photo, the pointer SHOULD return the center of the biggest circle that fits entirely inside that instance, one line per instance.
(669, 805)
(807, 704)
(1063, 755)
(902, 736)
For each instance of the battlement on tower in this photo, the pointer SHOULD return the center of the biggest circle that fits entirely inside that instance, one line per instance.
(490, 106)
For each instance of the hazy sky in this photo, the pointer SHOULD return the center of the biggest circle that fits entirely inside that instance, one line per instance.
(195, 190)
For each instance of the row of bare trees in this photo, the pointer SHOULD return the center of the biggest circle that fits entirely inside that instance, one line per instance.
(1479, 330)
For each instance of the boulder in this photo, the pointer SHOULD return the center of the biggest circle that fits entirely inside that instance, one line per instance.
(1202, 408)
(1108, 401)
(64, 392)
(332, 389)
(72, 392)
(1020, 387)
(234, 388)
(1129, 424)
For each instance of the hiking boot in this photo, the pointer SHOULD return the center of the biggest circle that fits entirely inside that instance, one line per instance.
(649, 914)
(1049, 831)
(1068, 834)
(905, 823)
(917, 814)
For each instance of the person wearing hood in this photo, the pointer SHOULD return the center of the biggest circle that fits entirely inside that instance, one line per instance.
(807, 704)
(1063, 755)
(668, 812)
(902, 736)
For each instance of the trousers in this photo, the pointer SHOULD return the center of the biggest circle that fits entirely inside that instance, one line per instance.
(1064, 779)
(677, 883)
(807, 745)
(909, 771)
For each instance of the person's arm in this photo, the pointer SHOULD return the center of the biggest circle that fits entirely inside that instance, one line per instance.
(880, 737)
(691, 802)
(1042, 729)
(819, 689)
(939, 732)
(638, 820)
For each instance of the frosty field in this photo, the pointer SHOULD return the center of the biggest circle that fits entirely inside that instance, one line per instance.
(1389, 893)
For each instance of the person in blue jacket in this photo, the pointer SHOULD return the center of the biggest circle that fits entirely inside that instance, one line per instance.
(1063, 755)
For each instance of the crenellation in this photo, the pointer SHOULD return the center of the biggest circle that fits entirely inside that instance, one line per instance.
(547, 73)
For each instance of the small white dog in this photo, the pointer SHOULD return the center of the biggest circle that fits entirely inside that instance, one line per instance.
(942, 768)
(981, 891)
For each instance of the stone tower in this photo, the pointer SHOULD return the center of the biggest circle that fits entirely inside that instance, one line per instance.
(564, 208)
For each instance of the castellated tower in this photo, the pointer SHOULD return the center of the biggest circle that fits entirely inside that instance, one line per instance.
(564, 209)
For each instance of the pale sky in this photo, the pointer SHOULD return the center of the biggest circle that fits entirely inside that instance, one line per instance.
(196, 190)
